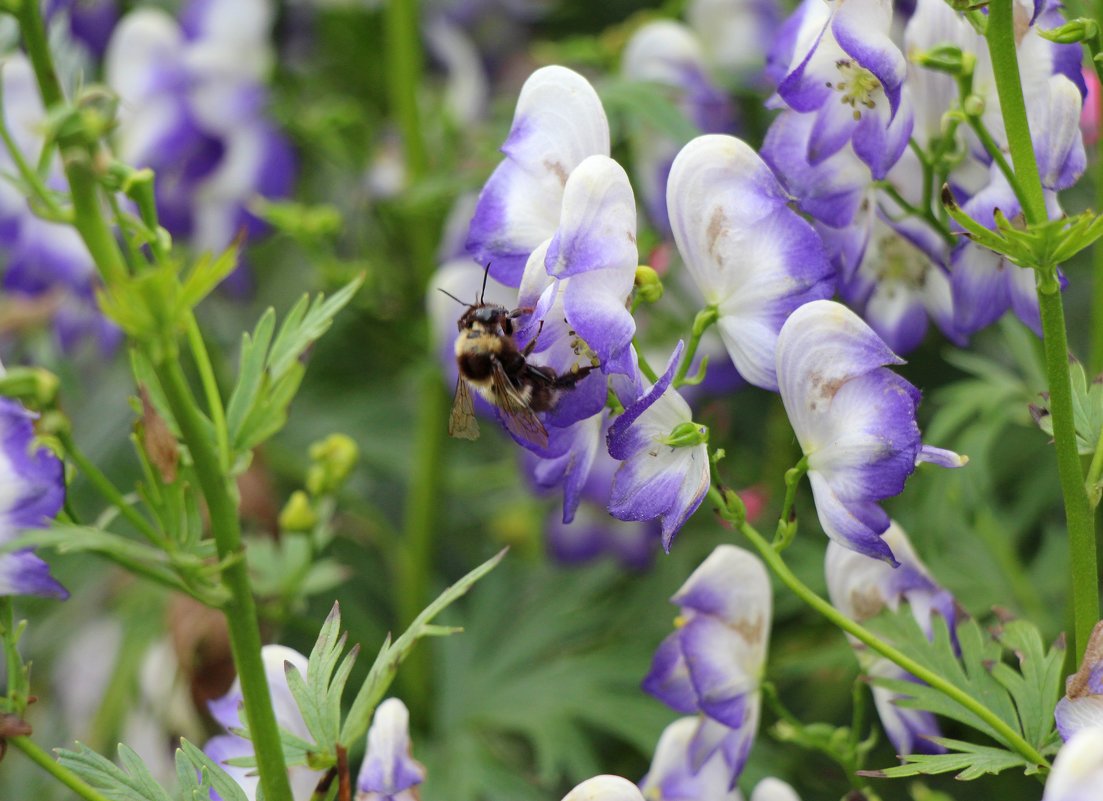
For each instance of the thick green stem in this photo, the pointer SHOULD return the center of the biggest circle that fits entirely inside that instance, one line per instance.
(777, 564)
(402, 50)
(1078, 511)
(55, 769)
(1083, 560)
(241, 611)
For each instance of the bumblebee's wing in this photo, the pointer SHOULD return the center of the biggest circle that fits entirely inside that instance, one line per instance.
(517, 415)
(462, 422)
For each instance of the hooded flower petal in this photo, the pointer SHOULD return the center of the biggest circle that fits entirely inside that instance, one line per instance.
(388, 767)
(605, 788)
(748, 253)
(559, 121)
(657, 479)
(1078, 768)
(771, 789)
(1082, 705)
(854, 419)
(673, 777)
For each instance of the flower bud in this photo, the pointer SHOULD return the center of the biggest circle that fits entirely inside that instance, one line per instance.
(649, 286)
(334, 458)
(297, 514)
(686, 435)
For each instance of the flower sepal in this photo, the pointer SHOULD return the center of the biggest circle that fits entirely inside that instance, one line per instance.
(687, 435)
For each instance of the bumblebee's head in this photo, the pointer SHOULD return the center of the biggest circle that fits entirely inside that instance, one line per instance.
(487, 318)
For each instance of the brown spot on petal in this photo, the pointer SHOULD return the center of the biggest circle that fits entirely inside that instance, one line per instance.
(751, 631)
(866, 604)
(558, 169)
(717, 225)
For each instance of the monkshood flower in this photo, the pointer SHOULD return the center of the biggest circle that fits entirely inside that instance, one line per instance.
(605, 788)
(89, 22)
(1077, 769)
(984, 284)
(34, 490)
(1082, 705)
(771, 789)
(389, 772)
(854, 419)
(193, 109)
(227, 711)
(668, 53)
(559, 121)
(861, 588)
(673, 775)
(845, 69)
(750, 255)
(713, 662)
(664, 455)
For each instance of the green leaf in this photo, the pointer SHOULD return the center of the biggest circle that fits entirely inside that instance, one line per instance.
(1037, 684)
(213, 775)
(970, 760)
(391, 655)
(131, 782)
(270, 371)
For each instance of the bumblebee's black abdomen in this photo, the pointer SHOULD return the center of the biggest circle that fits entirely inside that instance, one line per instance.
(475, 366)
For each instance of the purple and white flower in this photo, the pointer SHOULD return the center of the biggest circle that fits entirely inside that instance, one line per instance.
(750, 255)
(665, 463)
(32, 490)
(861, 588)
(846, 70)
(734, 34)
(559, 121)
(713, 662)
(389, 772)
(673, 776)
(669, 54)
(226, 710)
(194, 110)
(1082, 705)
(1077, 769)
(854, 420)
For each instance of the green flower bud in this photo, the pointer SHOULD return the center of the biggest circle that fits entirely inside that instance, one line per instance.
(34, 386)
(297, 514)
(1072, 32)
(334, 458)
(973, 105)
(649, 286)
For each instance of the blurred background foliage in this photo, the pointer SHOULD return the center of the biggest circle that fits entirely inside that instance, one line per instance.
(542, 689)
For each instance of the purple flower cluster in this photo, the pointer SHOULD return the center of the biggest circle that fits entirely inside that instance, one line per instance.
(851, 103)
(193, 108)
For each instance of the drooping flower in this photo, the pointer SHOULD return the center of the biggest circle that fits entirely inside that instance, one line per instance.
(860, 588)
(854, 420)
(34, 490)
(605, 788)
(674, 777)
(750, 255)
(713, 662)
(771, 789)
(559, 121)
(389, 772)
(1077, 769)
(227, 711)
(1082, 705)
(665, 464)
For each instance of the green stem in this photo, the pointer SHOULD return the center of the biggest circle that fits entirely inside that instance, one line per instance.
(787, 520)
(422, 503)
(241, 611)
(1083, 560)
(17, 691)
(924, 213)
(645, 367)
(701, 323)
(402, 51)
(1005, 67)
(777, 564)
(210, 390)
(103, 484)
(55, 769)
(1078, 512)
(1096, 351)
(29, 176)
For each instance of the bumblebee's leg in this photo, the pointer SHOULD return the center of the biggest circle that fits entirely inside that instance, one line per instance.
(532, 342)
(568, 380)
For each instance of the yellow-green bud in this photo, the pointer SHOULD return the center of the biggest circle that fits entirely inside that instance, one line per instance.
(334, 458)
(34, 386)
(297, 514)
(649, 286)
(973, 105)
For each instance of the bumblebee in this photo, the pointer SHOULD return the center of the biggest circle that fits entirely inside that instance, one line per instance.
(490, 362)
